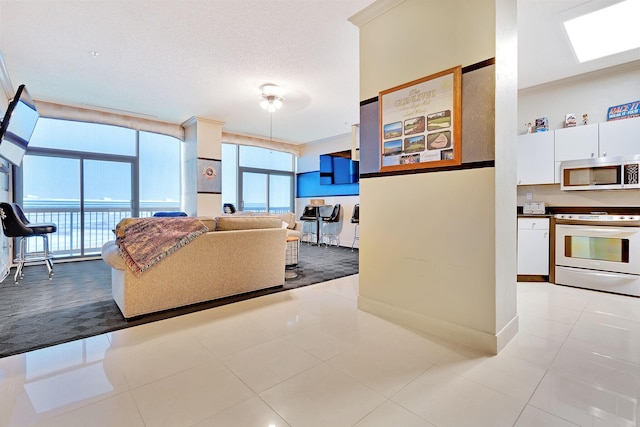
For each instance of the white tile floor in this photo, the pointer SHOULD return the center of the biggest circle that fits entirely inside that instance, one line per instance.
(308, 357)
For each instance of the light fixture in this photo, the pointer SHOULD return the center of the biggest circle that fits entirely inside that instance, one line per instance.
(601, 32)
(271, 97)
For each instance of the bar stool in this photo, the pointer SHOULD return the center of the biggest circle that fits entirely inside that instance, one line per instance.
(355, 219)
(331, 226)
(15, 224)
(309, 220)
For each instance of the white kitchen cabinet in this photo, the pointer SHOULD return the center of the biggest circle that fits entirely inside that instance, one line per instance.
(533, 246)
(619, 137)
(579, 142)
(535, 158)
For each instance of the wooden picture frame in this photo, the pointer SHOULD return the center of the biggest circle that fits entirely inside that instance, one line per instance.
(209, 176)
(421, 123)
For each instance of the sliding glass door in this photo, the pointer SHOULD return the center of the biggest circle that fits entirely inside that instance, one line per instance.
(105, 201)
(85, 198)
(266, 191)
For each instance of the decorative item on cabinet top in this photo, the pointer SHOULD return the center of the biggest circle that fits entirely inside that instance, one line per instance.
(570, 120)
(624, 111)
(542, 124)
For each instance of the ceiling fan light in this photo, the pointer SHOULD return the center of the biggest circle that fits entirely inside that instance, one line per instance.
(271, 102)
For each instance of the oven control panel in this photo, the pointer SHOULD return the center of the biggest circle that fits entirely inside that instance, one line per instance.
(598, 217)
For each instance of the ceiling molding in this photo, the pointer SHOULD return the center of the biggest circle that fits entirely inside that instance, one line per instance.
(67, 112)
(256, 141)
(371, 12)
(591, 75)
(5, 80)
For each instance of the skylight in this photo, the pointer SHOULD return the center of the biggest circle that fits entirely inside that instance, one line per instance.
(605, 32)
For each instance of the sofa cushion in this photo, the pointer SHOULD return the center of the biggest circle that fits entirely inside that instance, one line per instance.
(229, 223)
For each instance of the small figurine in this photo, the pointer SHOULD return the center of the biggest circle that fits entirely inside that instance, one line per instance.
(529, 127)
(585, 119)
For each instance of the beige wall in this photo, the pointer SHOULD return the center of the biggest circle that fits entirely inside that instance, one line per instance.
(429, 242)
(203, 138)
(417, 38)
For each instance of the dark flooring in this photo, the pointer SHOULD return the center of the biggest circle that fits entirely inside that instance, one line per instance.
(77, 303)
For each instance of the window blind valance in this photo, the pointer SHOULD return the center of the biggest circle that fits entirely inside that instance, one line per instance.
(256, 141)
(67, 112)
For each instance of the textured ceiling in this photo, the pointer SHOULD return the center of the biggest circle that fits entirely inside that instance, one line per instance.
(171, 60)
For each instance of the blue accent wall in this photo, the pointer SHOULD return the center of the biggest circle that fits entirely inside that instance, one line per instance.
(308, 185)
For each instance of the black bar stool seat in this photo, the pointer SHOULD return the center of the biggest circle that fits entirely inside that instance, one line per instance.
(15, 224)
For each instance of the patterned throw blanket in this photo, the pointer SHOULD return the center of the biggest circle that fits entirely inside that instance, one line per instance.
(145, 241)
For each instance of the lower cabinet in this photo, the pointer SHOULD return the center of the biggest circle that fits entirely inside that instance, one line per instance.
(533, 246)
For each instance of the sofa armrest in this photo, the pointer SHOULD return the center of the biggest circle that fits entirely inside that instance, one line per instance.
(111, 255)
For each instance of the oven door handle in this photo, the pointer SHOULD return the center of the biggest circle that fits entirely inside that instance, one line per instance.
(602, 231)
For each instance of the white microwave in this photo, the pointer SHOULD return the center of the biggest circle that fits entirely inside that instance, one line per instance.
(600, 173)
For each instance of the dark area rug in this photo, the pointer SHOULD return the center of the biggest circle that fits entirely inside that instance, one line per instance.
(77, 303)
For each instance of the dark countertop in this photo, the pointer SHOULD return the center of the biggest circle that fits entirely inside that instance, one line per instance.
(611, 210)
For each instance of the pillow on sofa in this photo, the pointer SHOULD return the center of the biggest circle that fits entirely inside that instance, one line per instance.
(229, 223)
(289, 218)
(209, 222)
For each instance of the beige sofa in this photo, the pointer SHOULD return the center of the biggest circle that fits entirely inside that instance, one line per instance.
(242, 254)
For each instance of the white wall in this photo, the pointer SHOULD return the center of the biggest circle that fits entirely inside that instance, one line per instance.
(309, 161)
(592, 93)
(429, 241)
(5, 196)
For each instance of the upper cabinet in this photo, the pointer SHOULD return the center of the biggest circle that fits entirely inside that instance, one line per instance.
(580, 142)
(535, 158)
(620, 137)
(539, 154)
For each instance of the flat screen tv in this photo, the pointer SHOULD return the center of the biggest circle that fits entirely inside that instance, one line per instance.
(17, 126)
(337, 169)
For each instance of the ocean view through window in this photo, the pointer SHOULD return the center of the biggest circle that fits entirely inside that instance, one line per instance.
(258, 179)
(86, 177)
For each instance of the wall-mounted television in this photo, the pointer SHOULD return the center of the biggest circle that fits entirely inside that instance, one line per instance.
(338, 168)
(17, 126)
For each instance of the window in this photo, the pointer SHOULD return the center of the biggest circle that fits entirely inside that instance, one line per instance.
(258, 179)
(86, 177)
(598, 33)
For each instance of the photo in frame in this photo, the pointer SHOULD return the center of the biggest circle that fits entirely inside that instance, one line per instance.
(420, 123)
(209, 176)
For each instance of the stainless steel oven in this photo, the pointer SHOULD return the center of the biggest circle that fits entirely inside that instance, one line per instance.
(598, 251)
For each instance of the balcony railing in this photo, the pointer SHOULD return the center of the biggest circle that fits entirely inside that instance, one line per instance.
(100, 219)
(70, 239)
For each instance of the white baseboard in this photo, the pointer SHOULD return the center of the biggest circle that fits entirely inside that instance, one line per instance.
(482, 341)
